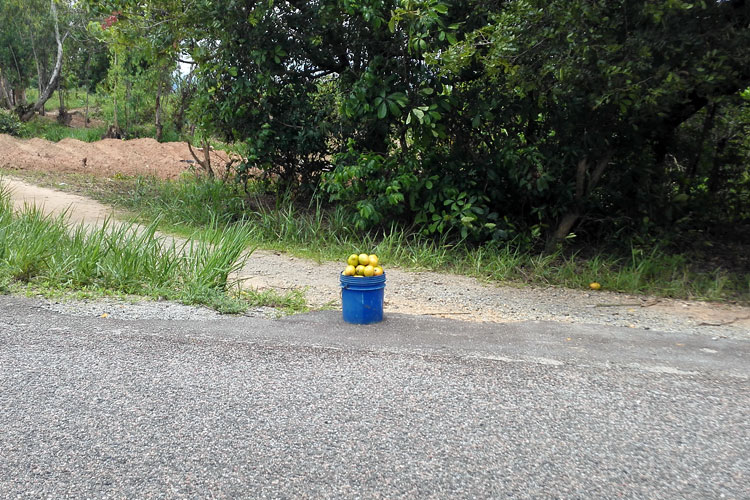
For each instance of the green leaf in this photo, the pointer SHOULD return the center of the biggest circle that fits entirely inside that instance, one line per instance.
(382, 110)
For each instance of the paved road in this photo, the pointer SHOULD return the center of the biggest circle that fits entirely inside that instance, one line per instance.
(414, 407)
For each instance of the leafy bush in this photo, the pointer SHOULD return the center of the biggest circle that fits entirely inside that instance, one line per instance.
(9, 123)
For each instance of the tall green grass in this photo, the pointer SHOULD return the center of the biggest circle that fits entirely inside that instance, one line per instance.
(321, 233)
(52, 131)
(73, 99)
(49, 253)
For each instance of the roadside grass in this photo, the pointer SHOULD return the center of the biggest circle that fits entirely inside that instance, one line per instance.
(48, 255)
(189, 205)
(325, 234)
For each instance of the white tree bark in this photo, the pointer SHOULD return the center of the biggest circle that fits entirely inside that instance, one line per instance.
(50, 87)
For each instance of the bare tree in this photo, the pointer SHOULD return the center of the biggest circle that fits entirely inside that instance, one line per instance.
(55, 77)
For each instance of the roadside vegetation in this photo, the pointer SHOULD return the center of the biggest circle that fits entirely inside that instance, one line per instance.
(551, 142)
(190, 205)
(45, 254)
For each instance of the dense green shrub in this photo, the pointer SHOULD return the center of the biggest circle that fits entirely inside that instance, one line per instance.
(9, 123)
(527, 120)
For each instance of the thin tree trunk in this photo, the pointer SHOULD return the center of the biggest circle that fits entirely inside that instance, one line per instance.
(114, 97)
(128, 85)
(19, 96)
(583, 190)
(185, 94)
(39, 74)
(713, 179)
(18, 70)
(5, 91)
(55, 72)
(708, 124)
(206, 162)
(61, 112)
(159, 128)
(88, 83)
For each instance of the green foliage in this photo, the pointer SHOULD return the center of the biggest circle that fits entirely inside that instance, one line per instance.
(526, 121)
(483, 121)
(9, 123)
(587, 84)
(52, 131)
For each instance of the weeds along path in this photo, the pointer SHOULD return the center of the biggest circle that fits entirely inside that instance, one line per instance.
(444, 295)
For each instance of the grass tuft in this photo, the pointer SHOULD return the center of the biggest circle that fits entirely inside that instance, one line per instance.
(52, 131)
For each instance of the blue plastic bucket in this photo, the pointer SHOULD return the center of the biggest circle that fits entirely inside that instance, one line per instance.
(362, 299)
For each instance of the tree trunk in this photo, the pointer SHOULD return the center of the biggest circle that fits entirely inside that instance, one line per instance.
(708, 124)
(20, 78)
(159, 127)
(185, 94)
(206, 162)
(39, 73)
(61, 111)
(127, 103)
(63, 117)
(88, 84)
(566, 224)
(45, 95)
(714, 177)
(5, 92)
(583, 190)
(19, 96)
(114, 98)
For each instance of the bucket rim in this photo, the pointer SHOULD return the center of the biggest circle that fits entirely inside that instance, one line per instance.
(358, 281)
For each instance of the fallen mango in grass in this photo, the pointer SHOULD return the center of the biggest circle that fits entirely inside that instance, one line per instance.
(595, 286)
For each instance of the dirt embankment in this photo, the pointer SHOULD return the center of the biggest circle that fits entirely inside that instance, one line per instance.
(106, 157)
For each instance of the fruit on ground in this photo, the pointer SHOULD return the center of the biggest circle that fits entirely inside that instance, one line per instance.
(364, 259)
(595, 286)
(353, 260)
(350, 270)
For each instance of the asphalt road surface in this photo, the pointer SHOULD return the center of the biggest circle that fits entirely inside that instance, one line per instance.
(414, 407)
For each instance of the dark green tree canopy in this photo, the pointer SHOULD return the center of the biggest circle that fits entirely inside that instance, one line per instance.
(488, 120)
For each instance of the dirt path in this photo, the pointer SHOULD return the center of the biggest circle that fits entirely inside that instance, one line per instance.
(78, 208)
(425, 293)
